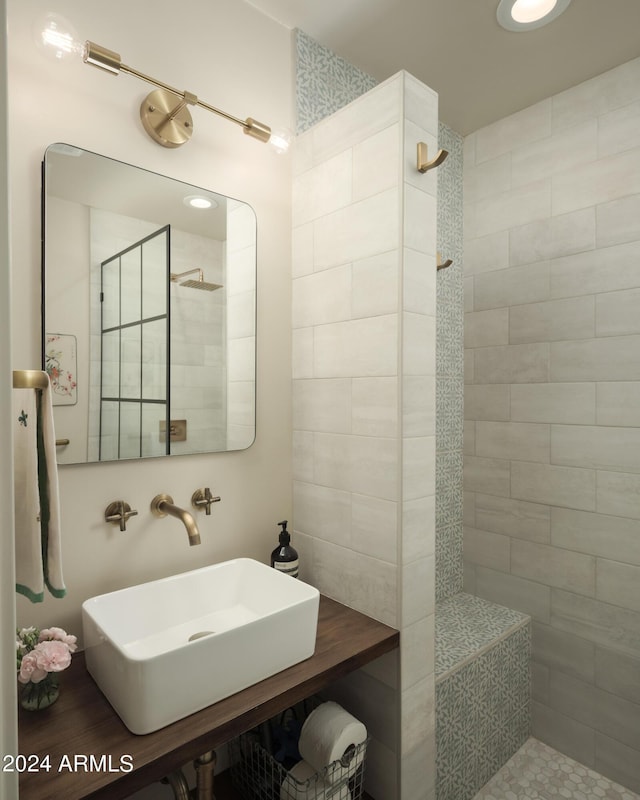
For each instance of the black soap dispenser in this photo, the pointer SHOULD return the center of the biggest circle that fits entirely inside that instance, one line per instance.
(284, 558)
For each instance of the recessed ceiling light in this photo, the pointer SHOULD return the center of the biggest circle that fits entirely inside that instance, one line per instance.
(525, 15)
(198, 201)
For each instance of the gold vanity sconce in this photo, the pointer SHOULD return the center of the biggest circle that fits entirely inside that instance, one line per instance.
(164, 113)
(118, 513)
(423, 163)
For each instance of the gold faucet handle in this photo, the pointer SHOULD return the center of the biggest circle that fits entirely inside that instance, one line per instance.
(203, 498)
(118, 512)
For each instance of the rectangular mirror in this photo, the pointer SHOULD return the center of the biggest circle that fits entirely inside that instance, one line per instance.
(149, 310)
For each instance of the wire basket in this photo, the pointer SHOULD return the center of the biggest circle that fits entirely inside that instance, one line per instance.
(256, 775)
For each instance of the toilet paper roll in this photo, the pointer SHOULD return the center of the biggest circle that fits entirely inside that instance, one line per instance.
(295, 786)
(330, 734)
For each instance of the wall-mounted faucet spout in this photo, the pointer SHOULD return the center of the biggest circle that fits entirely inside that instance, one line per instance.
(162, 505)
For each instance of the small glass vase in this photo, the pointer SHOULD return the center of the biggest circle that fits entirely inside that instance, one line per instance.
(36, 696)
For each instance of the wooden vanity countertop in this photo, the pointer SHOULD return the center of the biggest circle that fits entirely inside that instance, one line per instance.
(82, 722)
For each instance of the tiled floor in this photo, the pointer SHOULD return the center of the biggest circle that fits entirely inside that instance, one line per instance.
(538, 772)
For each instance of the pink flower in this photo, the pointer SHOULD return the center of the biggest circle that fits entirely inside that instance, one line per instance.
(51, 656)
(29, 669)
(57, 634)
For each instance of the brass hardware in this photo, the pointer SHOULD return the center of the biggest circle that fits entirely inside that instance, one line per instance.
(204, 766)
(177, 430)
(164, 114)
(162, 505)
(62, 442)
(168, 123)
(118, 512)
(30, 379)
(423, 159)
(202, 498)
(194, 284)
(440, 264)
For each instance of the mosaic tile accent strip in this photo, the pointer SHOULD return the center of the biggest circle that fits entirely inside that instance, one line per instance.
(449, 370)
(324, 82)
(465, 625)
(538, 772)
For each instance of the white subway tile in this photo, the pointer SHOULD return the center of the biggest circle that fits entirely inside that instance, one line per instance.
(617, 313)
(487, 402)
(418, 344)
(596, 182)
(519, 441)
(519, 206)
(302, 250)
(618, 403)
(302, 353)
(613, 89)
(360, 230)
(553, 238)
(486, 549)
(546, 157)
(376, 163)
(418, 590)
(517, 363)
(618, 584)
(322, 512)
(374, 527)
(419, 220)
(322, 405)
(374, 285)
(511, 287)
(618, 221)
(575, 572)
(529, 125)
(517, 518)
(486, 253)
(322, 189)
(613, 358)
(365, 116)
(418, 528)
(617, 538)
(420, 103)
(322, 297)
(554, 486)
(486, 475)
(483, 328)
(554, 402)
(618, 494)
(554, 320)
(487, 179)
(373, 590)
(418, 405)
(609, 448)
(603, 270)
(360, 348)
(418, 467)
(618, 130)
(373, 467)
(374, 406)
(419, 283)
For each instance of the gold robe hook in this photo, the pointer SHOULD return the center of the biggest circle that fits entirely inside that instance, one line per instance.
(423, 159)
(440, 264)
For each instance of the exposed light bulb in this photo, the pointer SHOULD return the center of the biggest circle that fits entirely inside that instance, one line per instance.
(280, 140)
(56, 37)
(525, 11)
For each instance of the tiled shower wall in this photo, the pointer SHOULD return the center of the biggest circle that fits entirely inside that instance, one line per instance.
(364, 402)
(552, 399)
(324, 84)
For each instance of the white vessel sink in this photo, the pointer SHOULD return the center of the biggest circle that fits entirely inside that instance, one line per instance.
(140, 648)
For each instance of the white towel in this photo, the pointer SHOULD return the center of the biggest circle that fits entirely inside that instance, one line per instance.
(37, 503)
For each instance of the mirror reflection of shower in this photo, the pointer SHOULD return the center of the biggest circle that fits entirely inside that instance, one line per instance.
(200, 283)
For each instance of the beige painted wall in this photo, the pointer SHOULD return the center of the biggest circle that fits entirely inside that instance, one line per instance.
(235, 58)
